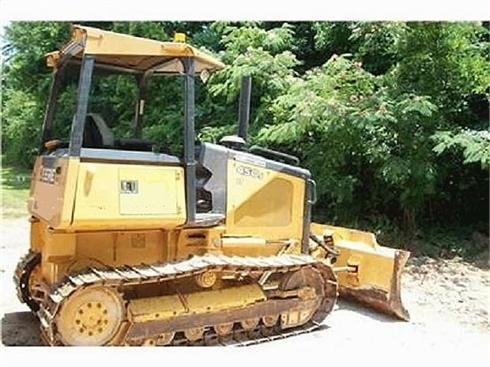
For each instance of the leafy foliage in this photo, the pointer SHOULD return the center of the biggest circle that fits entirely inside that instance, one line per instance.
(250, 50)
(341, 119)
(21, 107)
(475, 145)
(447, 61)
(394, 130)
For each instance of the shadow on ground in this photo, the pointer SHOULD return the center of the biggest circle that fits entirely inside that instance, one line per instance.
(20, 329)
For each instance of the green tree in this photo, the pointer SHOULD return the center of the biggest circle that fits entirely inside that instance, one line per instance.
(263, 54)
(357, 137)
(391, 117)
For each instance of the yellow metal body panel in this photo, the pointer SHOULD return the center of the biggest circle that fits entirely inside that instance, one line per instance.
(250, 246)
(156, 201)
(264, 203)
(132, 52)
(37, 234)
(358, 247)
(81, 216)
(73, 195)
(68, 252)
(52, 190)
(164, 307)
(147, 201)
(123, 247)
(155, 308)
(370, 273)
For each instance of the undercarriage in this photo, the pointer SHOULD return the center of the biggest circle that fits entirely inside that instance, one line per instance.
(202, 300)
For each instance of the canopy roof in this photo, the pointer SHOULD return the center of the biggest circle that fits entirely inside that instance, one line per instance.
(127, 53)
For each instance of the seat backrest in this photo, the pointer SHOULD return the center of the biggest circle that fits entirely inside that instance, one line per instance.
(97, 134)
(104, 130)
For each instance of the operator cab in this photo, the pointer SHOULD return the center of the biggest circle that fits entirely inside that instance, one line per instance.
(94, 54)
(158, 186)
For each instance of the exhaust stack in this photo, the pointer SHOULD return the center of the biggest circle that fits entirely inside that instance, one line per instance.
(244, 107)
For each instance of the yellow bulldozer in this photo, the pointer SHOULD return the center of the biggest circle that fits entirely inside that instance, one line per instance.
(131, 245)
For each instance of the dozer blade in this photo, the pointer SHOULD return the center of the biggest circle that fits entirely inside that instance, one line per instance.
(367, 272)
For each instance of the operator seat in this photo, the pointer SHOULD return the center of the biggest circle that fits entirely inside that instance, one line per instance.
(96, 133)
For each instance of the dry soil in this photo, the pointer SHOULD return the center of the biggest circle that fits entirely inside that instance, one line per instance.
(448, 301)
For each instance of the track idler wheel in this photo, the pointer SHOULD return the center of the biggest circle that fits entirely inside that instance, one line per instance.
(91, 316)
(323, 282)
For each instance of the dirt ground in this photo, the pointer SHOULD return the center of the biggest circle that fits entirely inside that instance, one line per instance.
(448, 301)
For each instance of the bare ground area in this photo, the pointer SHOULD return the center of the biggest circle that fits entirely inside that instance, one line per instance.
(448, 301)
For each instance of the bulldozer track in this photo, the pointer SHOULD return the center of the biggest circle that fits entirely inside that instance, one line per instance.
(120, 277)
(260, 335)
(21, 278)
(280, 335)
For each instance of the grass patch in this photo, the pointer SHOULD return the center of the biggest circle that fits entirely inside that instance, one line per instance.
(15, 191)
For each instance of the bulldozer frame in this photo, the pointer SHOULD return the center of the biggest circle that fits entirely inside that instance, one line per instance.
(134, 246)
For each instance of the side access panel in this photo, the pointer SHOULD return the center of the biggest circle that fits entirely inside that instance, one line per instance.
(53, 184)
(111, 196)
(263, 202)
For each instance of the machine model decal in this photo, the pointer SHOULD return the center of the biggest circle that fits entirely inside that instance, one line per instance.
(250, 172)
